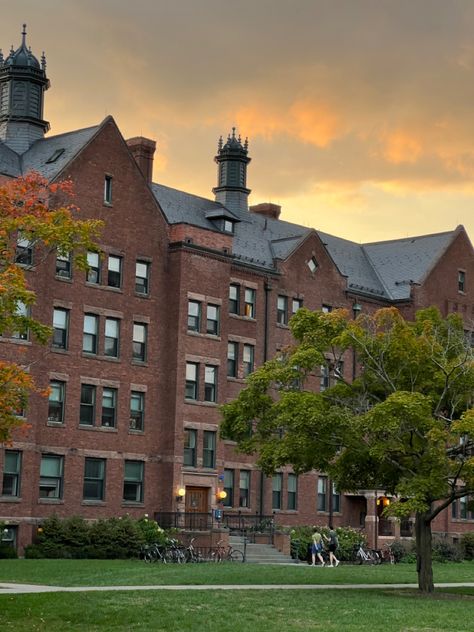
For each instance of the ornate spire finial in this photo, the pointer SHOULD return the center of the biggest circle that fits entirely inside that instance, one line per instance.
(246, 144)
(233, 132)
(219, 144)
(1, 56)
(23, 35)
(43, 61)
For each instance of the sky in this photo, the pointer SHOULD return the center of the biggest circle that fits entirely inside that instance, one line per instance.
(359, 113)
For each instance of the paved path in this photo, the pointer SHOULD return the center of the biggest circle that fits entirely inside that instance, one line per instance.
(9, 589)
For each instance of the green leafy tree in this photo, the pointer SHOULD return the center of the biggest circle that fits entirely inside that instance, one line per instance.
(37, 216)
(405, 424)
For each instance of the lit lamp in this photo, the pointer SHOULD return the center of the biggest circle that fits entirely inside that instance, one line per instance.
(221, 495)
(180, 494)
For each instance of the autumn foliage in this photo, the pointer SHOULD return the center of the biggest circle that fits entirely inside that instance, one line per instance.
(41, 215)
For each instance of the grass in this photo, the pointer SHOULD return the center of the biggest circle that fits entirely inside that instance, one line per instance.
(245, 611)
(130, 573)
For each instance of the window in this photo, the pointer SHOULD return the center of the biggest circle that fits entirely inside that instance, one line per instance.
(326, 309)
(249, 306)
(312, 265)
(114, 271)
(209, 449)
(87, 408)
(56, 401)
(21, 311)
(55, 155)
(11, 473)
(137, 410)
(108, 189)
(93, 273)
(229, 488)
(296, 304)
(191, 391)
(194, 316)
(89, 338)
(139, 342)
(292, 491)
(212, 320)
(248, 359)
(51, 476)
(282, 310)
(24, 252)
(109, 407)
(142, 274)
(94, 479)
(461, 281)
(228, 226)
(277, 481)
(133, 481)
(60, 328)
(324, 378)
(244, 488)
(64, 266)
(336, 499)
(232, 355)
(210, 383)
(234, 299)
(322, 493)
(111, 340)
(190, 447)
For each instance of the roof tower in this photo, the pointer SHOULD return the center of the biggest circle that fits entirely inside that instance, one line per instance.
(232, 160)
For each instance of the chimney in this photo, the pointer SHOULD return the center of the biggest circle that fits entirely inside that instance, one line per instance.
(143, 149)
(268, 209)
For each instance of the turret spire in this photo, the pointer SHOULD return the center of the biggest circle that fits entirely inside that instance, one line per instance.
(232, 159)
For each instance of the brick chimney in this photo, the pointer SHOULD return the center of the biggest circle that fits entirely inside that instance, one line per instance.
(143, 150)
(268, 209)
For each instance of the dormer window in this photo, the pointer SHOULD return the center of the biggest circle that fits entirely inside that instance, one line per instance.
(55, 156)
(228, 226)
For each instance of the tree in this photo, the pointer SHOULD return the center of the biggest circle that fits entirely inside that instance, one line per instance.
(405, 424)
(36, 219)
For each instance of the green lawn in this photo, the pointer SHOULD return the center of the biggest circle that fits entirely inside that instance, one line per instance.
(119, 572)
(242, 611)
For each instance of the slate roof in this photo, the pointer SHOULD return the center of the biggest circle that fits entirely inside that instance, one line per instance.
(37, 156)
(384, 270)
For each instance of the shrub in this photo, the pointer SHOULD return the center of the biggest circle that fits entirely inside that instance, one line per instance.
(467, 546)
(403, 551)
(7, 552)
(445, 551)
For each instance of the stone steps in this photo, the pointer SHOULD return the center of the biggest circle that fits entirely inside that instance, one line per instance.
(260, 553)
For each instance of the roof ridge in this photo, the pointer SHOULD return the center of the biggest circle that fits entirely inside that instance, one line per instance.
(375, 271)
(402, 239)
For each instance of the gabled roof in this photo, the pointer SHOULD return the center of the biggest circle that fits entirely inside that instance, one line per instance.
(47, 156)
(44, 150)
(383, 270)
(401, 262)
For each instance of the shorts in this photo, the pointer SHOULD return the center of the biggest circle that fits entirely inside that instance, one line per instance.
(316, 548)
(332, 548)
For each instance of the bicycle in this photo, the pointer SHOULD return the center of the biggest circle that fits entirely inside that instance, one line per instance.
(192, 554)
(226, 553)
(153, 553)
(386, 554)
(367, 556)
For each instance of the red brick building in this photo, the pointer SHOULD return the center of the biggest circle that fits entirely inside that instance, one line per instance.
(189, 295)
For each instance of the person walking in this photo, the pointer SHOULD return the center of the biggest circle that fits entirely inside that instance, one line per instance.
(317, 548)
(333, 544)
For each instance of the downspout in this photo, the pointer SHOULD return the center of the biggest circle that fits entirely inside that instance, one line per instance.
(268, 289)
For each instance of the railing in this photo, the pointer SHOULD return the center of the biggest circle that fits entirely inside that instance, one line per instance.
(247, 524)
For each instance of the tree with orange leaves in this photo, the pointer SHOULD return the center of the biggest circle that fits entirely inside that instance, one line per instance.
(35, 216)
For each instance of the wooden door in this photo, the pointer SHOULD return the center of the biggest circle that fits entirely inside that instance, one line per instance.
(197, 507)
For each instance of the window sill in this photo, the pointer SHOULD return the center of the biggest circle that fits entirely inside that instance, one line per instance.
(239, 317)
(50, 501)
(55, 424)
(208, 336)
(94, 503)
(15, 341)
(282, 326)
(63, 279)
(109, 358)
(135, 431)
(59, 350)
(10, 499)
(97, 428)
(132, 503)
(140, 363)
(140, 295)
(237, 380)
(194, 402)
(99, 286)
(109, 204)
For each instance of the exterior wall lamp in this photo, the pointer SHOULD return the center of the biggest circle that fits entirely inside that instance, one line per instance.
(356, 309)
(221, 495)
(180, 494)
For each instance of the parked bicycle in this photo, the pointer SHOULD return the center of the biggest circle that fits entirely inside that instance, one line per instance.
(362, 555)
(386, 554)
(153, 553)
(224, 553)
(192, 554)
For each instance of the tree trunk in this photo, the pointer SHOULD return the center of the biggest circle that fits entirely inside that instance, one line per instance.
(424, 562)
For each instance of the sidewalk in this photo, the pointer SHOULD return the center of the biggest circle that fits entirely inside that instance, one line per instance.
(12, 589)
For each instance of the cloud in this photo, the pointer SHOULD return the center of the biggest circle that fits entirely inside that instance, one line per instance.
(401, 146)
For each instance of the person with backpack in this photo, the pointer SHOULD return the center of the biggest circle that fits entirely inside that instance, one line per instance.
(333, 544)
